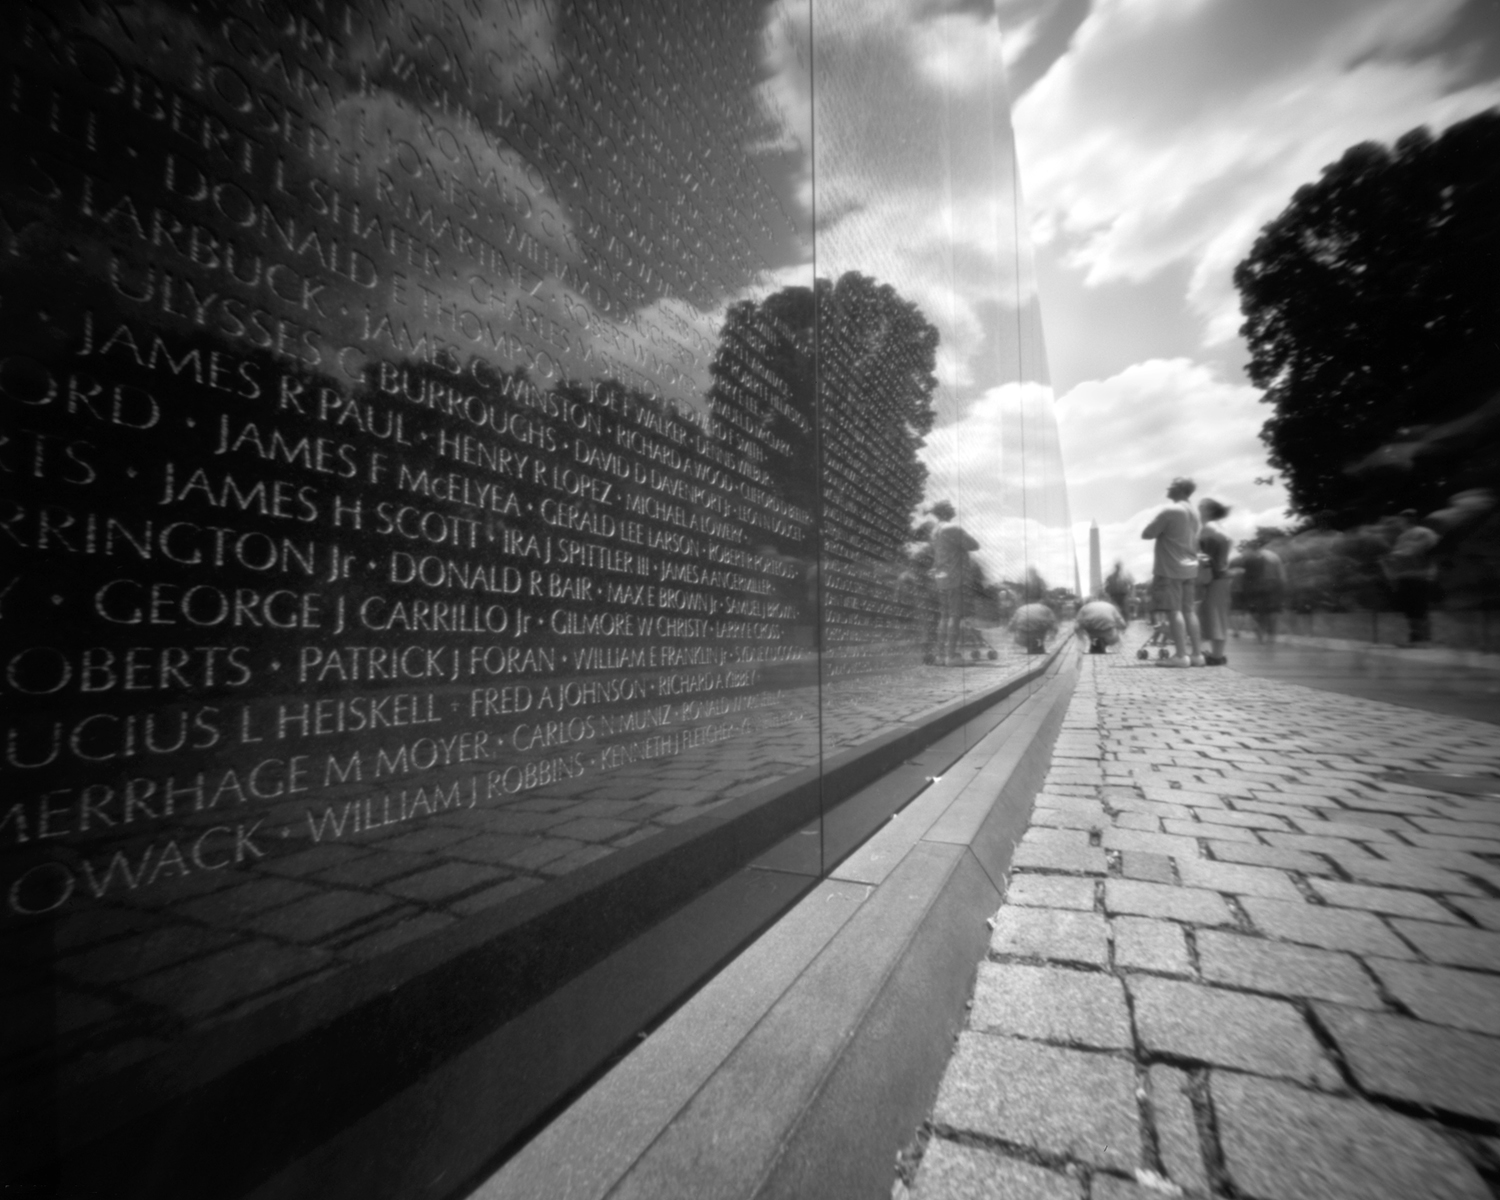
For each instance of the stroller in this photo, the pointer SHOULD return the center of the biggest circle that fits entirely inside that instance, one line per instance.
(971, 644)
(1160, 639)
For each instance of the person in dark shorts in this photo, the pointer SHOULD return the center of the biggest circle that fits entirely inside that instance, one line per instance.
(1213, 600)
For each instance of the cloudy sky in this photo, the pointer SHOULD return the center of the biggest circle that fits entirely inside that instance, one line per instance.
(1155, 138)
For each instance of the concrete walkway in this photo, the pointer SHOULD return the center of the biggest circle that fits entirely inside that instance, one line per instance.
(1234, 959)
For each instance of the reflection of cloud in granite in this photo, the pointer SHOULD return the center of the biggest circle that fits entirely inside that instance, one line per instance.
(939, 225)
(1001, 460)
(510, 56)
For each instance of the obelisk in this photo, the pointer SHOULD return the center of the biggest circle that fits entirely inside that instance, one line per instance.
(1096, 577)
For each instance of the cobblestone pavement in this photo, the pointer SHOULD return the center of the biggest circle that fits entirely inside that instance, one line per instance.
(1235, 959)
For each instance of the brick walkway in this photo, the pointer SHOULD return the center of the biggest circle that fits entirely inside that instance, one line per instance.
(1234, 960)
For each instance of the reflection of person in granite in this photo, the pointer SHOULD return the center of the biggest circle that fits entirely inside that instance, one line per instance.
(951, 546)
(1032, 625)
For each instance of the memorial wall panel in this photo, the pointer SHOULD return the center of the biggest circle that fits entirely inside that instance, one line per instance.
(463, 482)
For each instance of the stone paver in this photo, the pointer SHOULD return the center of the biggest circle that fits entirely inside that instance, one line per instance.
(1167, 902)
(1142, 864)
(1283, 1143)
(1062, 935)
(1147, 945)
(1394, 901)
(1227, 1029)
(1177, 1128)
(1447, 1069)
(1237, 879)
(1285, 970)
(1083, 859)
(1485, 911)
(954, 1172)
(1051, 891)
(1453, 944)
(1269, 856)
(1079, 1008)
(1060, 1101)
(1465, 999)
(1156, 843)
(1276, 977)
(1319, 925)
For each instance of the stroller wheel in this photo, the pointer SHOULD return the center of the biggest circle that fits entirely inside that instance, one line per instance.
(1163, 653)
(974, 654)
(1143, 653)
(993, 655)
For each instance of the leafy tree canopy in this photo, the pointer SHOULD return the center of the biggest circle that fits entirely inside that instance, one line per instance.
(1372, 308)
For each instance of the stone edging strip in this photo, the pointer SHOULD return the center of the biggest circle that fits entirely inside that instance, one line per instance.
(805, 1065)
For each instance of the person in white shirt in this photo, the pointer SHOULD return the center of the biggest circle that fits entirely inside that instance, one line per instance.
(1175, 572)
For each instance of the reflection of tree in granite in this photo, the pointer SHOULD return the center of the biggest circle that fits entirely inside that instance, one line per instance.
(876, 358)
(841, 376)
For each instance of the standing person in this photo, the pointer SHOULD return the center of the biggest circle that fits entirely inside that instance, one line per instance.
(1119, 587)
(951, 547)
(1412, 570)
(1213, 604)
(1175, 571)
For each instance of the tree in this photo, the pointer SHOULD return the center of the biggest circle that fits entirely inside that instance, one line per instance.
(1371, 306)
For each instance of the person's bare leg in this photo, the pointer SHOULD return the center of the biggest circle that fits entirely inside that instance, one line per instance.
(1194, 633)
(1179, 632)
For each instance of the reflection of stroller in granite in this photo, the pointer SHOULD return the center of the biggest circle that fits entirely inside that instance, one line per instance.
(971, 644)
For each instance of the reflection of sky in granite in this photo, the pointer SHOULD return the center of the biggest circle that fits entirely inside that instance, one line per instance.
(916, 186)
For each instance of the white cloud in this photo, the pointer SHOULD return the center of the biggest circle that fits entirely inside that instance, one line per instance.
(1174, 129)
(1124, 438)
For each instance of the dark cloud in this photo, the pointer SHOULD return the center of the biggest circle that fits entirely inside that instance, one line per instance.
(1472, 42)
(1054, 34)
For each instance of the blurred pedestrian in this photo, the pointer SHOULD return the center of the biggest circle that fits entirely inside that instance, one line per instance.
(951, 547)
(1213, 578)
(1119, 587)
(1263, 586)
(1175, 571)
(1411, 568)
